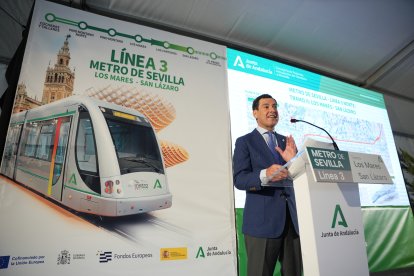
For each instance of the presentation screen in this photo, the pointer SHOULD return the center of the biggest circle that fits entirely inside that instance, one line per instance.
(355, 117)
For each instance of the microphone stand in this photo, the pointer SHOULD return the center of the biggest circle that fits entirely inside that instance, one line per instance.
(333, 141)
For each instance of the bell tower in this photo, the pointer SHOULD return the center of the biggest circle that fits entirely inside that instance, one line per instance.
(60, 78)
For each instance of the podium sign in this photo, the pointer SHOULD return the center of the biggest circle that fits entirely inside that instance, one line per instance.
(330, 165)
(329, 208)
(347, 167)
(369, 168)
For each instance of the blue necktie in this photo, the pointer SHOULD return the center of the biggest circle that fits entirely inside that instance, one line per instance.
(272, 145)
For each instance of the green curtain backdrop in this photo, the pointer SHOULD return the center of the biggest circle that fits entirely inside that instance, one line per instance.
(389, 235)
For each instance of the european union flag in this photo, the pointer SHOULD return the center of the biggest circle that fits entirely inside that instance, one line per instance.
(4, 261)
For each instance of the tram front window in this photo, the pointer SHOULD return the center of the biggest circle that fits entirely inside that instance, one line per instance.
(136, 145)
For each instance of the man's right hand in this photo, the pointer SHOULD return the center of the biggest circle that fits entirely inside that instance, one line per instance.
(283, 174)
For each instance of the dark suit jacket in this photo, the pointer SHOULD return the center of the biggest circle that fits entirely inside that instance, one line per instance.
(265, 207)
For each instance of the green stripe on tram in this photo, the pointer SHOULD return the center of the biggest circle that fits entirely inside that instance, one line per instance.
(16, 123)
(52, 116)
(46, 179)
(33, 174)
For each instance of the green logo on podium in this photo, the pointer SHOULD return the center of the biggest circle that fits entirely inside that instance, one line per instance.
(342, 220)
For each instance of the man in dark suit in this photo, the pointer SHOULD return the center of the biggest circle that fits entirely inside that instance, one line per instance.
(270, 224)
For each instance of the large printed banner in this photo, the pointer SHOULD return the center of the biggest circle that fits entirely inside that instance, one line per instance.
(118, 155)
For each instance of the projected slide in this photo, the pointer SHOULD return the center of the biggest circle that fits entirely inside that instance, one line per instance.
(355, 117)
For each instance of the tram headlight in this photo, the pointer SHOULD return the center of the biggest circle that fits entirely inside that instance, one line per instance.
(118, 190)
(109, 187)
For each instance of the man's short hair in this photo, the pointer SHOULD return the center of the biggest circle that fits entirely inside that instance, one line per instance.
(255, 105)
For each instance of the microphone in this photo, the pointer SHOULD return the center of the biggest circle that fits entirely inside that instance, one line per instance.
(333, 141)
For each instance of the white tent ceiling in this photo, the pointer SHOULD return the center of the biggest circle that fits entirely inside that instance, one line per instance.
(368, 43)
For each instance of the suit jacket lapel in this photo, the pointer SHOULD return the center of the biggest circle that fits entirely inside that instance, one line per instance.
(281, 141)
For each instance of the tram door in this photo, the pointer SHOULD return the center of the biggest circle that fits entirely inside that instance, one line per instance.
(58, 157)
(10, 150)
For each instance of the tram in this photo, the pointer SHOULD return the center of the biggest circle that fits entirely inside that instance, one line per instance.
(89, 155)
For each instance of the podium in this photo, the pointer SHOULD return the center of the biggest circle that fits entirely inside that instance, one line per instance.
(329, 209)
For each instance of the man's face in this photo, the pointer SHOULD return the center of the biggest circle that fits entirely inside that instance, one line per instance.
(266, 115)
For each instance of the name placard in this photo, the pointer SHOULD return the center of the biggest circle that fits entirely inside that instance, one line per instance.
(369, 168)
